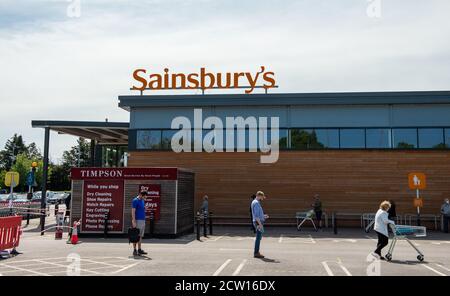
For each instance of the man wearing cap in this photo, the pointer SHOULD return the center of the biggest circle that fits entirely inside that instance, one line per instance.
(138, 220)
(258, 220)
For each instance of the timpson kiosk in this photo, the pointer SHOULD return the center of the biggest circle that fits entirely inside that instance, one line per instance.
(97, 192)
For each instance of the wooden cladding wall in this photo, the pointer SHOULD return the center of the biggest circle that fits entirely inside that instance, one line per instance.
(352, 181)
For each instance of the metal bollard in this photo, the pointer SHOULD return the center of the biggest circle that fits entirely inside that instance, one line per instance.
(28, 215)
(105, 233)
(205, 218)
(210, 224)
(198, 227)
(334, 223)
(152, 224)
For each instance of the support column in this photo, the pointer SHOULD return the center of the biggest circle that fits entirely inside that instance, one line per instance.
(92, 156)
(44, 178)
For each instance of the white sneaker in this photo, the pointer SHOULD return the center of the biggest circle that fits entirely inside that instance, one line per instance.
(375, 255)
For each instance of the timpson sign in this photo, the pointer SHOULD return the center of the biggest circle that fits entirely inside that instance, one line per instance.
(145, 80)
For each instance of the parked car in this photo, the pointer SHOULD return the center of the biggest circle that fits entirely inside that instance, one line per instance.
(3, 197)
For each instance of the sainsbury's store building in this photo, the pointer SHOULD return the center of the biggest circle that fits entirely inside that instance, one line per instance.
(354, 149)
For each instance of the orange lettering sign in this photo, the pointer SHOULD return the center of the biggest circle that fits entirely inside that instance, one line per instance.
(202, 80)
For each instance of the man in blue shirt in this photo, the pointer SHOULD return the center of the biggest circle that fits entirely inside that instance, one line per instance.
(138, 220)
(258, 220)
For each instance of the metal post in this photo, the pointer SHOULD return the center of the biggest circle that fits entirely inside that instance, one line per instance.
(333, 218)
(44, 178)
(418, 208)
(198, 227)
(152, 224)
(28, 213)
(210, 224)
(106, 225)
(205, 218)
(92, 156)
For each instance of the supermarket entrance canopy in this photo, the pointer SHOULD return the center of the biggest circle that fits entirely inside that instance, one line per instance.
(104, 133)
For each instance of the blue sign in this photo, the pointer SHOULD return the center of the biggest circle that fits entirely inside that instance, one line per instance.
(30, 179)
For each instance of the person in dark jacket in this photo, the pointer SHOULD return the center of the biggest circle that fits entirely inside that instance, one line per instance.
(391, 212)
(251, 215)
(67, 202)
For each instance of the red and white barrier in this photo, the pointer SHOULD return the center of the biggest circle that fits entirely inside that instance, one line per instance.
(10, 231)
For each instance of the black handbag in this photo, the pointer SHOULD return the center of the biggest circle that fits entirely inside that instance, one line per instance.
(133, 235)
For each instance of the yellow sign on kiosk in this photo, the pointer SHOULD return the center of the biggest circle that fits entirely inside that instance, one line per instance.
(12, 179)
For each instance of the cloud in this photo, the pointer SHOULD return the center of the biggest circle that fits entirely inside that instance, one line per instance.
(55, 67)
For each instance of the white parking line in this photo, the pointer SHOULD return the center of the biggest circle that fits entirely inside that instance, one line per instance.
(339, 263)
(327, 268)
(103, 263)
(443, 267)
(126, 267)
(434, 270)
(222, 267)
(343, 268)
(26, 270)
(217, 238)
(64, 266)
(239, 268)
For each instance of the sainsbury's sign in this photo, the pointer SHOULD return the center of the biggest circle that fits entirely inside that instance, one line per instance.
(203, 80)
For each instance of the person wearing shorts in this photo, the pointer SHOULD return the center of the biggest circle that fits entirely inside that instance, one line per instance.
(138, 221)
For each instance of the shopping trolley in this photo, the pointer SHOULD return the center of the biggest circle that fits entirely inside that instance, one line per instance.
(402, 232)
(368, 220)
(305, 216)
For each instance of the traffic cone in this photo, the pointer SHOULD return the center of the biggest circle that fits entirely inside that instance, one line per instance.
(74, 238)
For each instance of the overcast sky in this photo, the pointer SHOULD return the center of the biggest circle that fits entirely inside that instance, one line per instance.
(57, 67)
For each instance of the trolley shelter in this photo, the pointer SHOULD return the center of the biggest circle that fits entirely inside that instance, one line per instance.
(106, 194)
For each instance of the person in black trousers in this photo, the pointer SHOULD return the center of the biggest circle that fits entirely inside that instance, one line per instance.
(251, 215)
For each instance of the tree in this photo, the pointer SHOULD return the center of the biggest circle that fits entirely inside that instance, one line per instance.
(59, 179)
(23, 166)
(77, 156)
(15, 146)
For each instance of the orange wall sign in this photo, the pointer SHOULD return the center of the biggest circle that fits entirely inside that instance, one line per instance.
(418, 203)
(417, 181)
(202, 80)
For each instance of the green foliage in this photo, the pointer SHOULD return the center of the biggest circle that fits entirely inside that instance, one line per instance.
(59, 179)
(23, 166)
(14, 147)
(77, 156)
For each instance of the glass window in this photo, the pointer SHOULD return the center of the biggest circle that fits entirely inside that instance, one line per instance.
(148, 139)
(283, 142)
(431, 138)
(447, 137)
(326, 138)
(404, 138)
(352, 138)
(167, 139)
(378, 138)
(301, 138)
